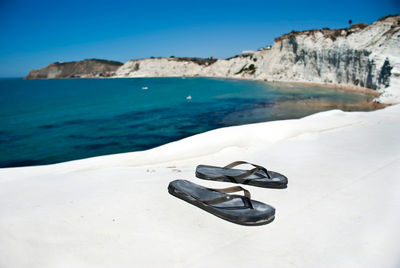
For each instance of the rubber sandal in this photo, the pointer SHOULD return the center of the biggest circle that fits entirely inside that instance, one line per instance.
(234, 208)
(258, 176)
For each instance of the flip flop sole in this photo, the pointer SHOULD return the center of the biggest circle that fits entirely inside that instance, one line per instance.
(215, 212)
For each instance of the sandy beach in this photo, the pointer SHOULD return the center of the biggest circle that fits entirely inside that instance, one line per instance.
(340, 86)
(340, 208)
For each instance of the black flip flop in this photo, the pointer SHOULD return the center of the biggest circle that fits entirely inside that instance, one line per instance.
(234, 208)
(258, 176)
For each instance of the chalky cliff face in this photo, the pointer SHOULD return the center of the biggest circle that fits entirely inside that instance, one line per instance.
(362, 55)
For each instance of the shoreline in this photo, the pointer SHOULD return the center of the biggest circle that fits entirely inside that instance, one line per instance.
(300, 104)
(373, 103)
(340, 86)
(305, 83)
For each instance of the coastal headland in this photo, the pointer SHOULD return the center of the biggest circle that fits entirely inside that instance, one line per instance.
(359, 57)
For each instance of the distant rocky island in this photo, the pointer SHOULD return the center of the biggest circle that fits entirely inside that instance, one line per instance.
(76, 69)
(366, 56)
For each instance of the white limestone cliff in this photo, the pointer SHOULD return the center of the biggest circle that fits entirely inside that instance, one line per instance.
(363, 55)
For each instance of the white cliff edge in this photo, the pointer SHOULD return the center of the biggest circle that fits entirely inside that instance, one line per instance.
(365, 56)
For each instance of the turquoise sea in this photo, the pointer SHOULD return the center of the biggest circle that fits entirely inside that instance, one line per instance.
(51, 121)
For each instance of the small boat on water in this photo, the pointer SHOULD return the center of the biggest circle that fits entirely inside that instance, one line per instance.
(145, 88)
(189, 97)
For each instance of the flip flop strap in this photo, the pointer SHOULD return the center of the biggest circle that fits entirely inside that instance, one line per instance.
(249, 172)
(246, 198)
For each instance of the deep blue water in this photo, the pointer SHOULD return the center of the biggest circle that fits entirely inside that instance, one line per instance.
(50, 121)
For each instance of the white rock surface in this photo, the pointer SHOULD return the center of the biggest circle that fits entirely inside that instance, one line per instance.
(352, 57)
(341, 208)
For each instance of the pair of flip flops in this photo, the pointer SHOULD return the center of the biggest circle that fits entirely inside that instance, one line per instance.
(240, 209)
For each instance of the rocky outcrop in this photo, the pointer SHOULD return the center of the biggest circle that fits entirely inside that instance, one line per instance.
(76, 69)
(363, 56)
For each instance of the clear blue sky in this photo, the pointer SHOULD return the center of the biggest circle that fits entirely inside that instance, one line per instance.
(36, 33)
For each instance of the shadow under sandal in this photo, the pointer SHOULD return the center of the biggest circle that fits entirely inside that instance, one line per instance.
(234, 208)
(258, 176)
